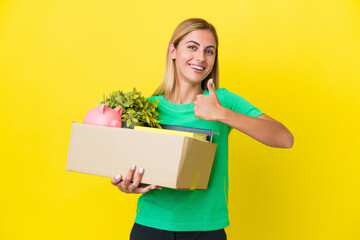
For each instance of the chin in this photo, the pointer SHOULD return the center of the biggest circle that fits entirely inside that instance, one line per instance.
(196, 82)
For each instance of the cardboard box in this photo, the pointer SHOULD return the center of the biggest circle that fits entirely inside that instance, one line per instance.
(170, 161)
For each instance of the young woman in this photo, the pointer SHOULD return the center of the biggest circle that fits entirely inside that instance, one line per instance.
(189, 96)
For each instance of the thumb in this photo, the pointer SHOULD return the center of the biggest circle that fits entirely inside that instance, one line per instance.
(210, 86)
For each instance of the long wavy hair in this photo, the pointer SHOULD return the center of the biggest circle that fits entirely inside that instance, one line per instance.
(167, 84)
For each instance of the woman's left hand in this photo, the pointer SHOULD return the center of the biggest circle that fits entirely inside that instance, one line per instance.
(208, 107)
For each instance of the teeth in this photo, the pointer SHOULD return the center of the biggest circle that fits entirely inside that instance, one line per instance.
(196, 67)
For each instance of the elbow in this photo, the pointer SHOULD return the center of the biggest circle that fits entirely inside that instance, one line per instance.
(283, 139)
(288, 141)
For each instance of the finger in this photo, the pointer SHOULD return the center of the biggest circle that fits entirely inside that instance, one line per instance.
(129, 176)
(115, 180)
(147, 189)
(138, 178)
(212, 92)
(210, 86)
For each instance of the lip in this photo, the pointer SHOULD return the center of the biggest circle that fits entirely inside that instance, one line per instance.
(197, 70)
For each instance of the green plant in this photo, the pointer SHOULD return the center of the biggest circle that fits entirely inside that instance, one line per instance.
(136, 108)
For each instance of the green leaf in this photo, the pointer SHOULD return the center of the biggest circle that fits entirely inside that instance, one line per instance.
(136, 108)
(134, 120)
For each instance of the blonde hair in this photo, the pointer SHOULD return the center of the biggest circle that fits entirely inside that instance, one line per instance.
(167, 84)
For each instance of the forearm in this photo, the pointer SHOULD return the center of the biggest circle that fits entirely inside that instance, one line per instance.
(267, 131)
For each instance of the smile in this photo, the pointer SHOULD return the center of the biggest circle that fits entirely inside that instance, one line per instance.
(196, 67)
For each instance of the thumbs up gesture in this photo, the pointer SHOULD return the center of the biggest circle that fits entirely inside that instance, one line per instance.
(208, 107)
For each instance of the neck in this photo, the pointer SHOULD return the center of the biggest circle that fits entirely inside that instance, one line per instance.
(184, 93)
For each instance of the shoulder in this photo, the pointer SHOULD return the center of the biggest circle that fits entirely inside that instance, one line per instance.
(222, 91)
(219, 92)
(237, 103)
(227, 97)
(225, 92)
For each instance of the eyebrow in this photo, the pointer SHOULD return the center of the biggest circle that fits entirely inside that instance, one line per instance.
(191, 41)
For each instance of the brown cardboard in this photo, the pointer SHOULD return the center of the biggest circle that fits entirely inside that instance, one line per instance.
(170, 161)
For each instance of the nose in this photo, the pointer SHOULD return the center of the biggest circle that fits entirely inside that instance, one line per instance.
(200, 56)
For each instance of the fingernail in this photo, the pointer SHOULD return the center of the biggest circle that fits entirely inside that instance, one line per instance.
(211, 81)
(141, 170)
(153, 187)
(133, 167)
(117, 177)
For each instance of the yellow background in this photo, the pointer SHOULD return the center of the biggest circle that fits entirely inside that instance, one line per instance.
(298, 61)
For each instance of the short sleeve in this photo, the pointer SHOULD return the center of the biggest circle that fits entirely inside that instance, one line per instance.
(237, 103)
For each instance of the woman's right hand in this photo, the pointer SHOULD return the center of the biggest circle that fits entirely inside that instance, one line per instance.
(126, 186)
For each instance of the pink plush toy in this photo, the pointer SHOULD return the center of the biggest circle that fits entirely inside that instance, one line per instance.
(104, 116)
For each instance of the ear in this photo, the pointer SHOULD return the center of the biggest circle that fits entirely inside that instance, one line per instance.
(172, 51)
(103, 108)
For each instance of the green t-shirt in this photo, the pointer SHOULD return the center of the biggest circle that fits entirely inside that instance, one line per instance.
(194, 210)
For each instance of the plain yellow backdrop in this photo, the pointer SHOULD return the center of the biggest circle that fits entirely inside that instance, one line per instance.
(298, 61)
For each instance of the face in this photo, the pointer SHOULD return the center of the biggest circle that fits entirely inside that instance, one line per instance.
(194, 56)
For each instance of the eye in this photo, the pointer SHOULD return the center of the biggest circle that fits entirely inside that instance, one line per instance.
(192, 47)
(209, 52)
